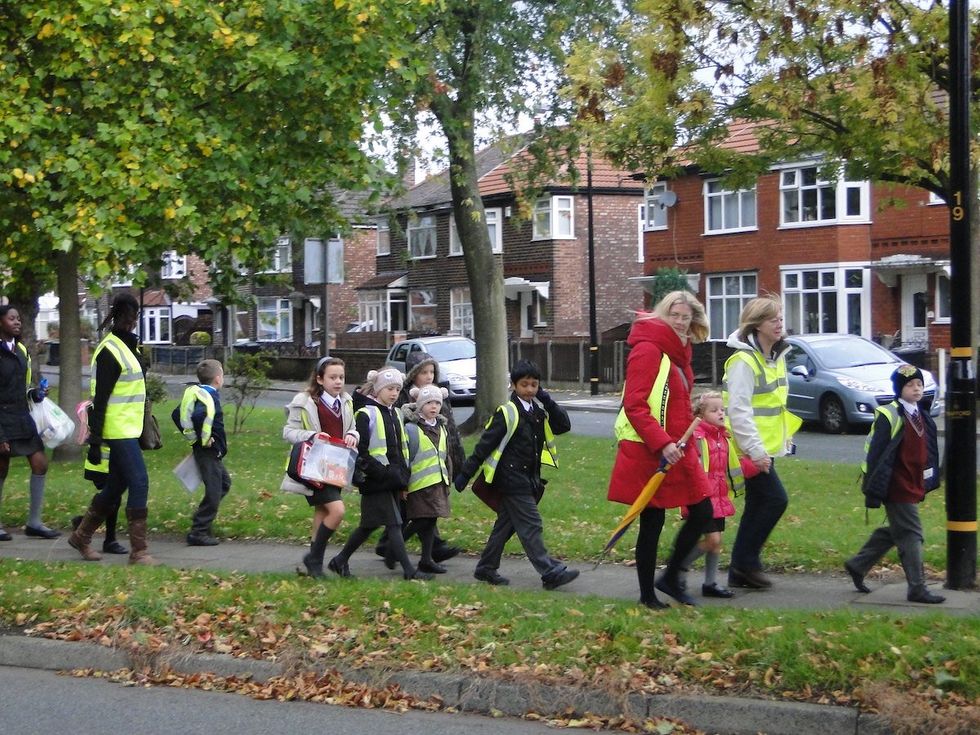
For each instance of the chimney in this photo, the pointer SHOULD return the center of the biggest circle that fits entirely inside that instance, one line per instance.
(408, 178)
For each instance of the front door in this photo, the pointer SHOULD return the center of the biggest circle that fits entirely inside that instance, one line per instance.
(915, 301)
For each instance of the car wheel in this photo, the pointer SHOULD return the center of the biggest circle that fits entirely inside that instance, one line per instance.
(832, 416)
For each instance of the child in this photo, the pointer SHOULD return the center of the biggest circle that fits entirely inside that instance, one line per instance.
(382, 451)
(201, 420)
(518, 437)
(726, 473)
(422, 370)
(324, 408)
(902, 465)
(428, 486)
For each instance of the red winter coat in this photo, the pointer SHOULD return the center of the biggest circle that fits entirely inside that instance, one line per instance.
(686, 482)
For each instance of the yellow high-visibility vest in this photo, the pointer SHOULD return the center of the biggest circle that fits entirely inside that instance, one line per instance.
(124, 412)
(770, 390)
(890, 412)
(736, 480)
(27, 356)
(377, 441)
(428, 462)
(193, 394)
(549, 452)
(657, 400)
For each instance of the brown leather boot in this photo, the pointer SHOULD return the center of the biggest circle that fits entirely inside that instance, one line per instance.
(81, 537)
(137, 537)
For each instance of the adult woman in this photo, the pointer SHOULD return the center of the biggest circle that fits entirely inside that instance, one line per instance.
(118, 389)
(656, 412)
(755, 395)
(18, 434)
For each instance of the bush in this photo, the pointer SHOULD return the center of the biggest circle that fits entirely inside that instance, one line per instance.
(247, 376)
(156, 388)
(667, 280)
(201, 339)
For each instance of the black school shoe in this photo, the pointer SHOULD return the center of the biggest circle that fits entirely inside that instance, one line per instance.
(114, 547)
(713, 590)
(752, 579)
(445, 552)
(671, 589)
(200, 539)
(491, 576)
(562, 578)
(857, 578)
(41, 532)
(340, 568)
(926, 597)
(314, 567)
(432, 567)
(4, 536)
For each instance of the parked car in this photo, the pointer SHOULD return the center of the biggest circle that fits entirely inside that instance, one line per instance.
(839, 380)
(456, 357)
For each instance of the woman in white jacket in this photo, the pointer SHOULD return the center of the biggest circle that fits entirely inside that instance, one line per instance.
(323, 408)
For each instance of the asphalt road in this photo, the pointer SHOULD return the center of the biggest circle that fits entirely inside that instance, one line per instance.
(36, 701)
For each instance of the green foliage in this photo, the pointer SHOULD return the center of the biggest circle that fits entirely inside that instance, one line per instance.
(202, 339)
(195, 125)
(156, 388)
(667, 280)
(249, 378)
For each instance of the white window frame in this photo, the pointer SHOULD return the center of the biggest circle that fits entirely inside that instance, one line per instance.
(280, 256)
(461, 311)
(383, 242)
(422, 238)
(713, 192)
(430, 305)
(156, 320)
(721, 330)
(942, 310)
(935, 199)
(372, 306)
(495, 221)
(835, 289)
(840, 192)
(125, 278)
(281, 311)
(554, 218)
(641, 217)
(174, 266)
(656, 213)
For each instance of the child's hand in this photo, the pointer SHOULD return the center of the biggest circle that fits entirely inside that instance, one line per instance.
(350, 441)
(404, 494)
(323, 436)
(460, 482)
(762, 464)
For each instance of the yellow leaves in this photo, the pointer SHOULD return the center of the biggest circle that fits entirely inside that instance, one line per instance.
(169, 212)
(394, 63)
(46, 31)
(159, 20)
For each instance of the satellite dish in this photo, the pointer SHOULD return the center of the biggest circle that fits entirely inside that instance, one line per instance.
(668, 199)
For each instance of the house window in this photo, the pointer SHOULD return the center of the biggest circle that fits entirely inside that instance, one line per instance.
(934, 198)
(156, 325)
(656, 212)
(384, 238)
(461, 312)
(494, 230)
(422, 238)
(826, 300)
(281, 257)
(422, 311)
(275, 320)
(728, 293)
(641, 210)
(372, 310)
(808, 199)
(173, 266)
(728, 211)
(942, 299)
(554, 219)
(126, 277)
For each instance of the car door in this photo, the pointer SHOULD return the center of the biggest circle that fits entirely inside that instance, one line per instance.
(396, 358)
(803, 392)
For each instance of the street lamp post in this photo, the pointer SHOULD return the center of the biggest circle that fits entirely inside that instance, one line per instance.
(593, 327)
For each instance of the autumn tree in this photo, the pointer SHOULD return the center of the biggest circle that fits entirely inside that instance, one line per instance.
(863, 82)
(131, 128)
(480, 62)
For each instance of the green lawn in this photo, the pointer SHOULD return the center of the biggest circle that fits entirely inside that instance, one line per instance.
(930, 662)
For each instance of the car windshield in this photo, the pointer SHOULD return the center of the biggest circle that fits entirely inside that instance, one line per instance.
(845, 353)
(460, 349)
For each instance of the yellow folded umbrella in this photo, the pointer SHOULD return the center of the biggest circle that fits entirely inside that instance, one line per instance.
(649, 490)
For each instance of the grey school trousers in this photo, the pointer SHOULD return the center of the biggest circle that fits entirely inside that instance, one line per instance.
(904, 531)
(519, 514)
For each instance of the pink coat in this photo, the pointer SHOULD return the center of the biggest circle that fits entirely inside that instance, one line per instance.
(686, 482)
(717, 438)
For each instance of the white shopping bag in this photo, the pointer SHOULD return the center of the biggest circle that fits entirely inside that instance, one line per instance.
(53, 424)
(188, 474)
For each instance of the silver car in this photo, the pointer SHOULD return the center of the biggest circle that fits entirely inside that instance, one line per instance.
(839, 380)
(456, 357)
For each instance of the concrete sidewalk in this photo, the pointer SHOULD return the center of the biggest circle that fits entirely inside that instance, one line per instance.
(470, 692)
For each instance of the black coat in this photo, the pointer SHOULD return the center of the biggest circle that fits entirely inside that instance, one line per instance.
(882, 448)
(375, 477)
(519, 469)
(15, 417)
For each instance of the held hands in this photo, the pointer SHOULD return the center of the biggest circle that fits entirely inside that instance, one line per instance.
(762, 463)
(460, 482)
(94, 454)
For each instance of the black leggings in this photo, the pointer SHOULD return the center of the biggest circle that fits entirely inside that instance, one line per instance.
(648, 539)
(426, 529)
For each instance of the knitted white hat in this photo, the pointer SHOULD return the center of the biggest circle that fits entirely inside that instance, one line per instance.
(428, 394)
(381, 379)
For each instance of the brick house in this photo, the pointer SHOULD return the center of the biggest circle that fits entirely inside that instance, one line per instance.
(845, 256)
(421, 284)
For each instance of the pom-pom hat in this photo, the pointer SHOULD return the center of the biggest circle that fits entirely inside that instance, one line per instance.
(381, 379)
(428, 394)
(902, 375)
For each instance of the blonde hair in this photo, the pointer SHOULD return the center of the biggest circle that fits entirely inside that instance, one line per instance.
(699, 320)
(698, 402)
(757, 311)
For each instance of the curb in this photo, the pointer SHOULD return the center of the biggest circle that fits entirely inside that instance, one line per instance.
(479, 695)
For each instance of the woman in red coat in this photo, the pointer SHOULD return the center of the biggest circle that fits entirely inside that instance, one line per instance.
(656, 412)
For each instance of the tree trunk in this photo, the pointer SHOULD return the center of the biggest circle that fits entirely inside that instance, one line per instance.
(70, 370)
